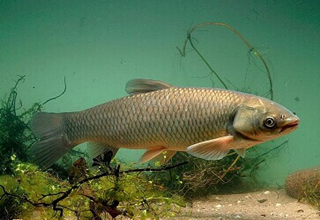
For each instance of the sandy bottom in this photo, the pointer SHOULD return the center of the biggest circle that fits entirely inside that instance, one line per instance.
(266, 204)
(273, 204)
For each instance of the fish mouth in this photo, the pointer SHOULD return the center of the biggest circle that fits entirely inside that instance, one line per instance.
(290, 126)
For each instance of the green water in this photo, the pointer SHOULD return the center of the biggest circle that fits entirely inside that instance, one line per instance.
(100, 45)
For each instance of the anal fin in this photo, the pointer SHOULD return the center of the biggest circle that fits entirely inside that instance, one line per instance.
(101, 153)
(164, 157)
(151, 153)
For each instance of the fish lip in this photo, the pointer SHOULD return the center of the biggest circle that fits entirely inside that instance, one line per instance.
(292, 125)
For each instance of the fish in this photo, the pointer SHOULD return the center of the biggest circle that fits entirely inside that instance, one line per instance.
(164, 119)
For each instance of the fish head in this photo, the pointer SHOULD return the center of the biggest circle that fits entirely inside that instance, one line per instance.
(261, 119)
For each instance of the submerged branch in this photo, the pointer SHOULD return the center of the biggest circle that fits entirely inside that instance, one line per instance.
(229, 168)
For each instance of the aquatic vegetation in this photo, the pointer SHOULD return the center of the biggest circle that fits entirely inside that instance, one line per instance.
(304, 185)
(200, 178)
(15, 136)
(252, 50)
(97, 195)
(26, 183)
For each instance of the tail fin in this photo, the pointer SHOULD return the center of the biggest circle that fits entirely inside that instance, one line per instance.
(53, 143)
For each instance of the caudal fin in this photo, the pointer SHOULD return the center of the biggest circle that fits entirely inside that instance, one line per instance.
(53, 143)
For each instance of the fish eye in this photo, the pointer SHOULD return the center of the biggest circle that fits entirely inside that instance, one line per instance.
(269, 122)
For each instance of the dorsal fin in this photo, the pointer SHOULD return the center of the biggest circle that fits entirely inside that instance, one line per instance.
(136, 86)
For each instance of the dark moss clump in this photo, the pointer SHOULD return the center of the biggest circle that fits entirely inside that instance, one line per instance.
(15, 135)
(15, 141)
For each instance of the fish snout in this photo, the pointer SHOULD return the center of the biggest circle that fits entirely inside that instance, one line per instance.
(291, 123)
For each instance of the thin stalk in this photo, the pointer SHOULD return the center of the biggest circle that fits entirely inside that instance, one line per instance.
(251, 49)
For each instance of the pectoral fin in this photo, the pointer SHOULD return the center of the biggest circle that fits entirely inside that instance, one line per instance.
(151, 153)
(214, 149)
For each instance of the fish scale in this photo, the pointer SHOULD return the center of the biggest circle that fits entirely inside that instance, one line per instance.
(158, 117)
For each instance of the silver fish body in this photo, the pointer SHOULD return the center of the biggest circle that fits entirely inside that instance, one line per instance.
(161, 118)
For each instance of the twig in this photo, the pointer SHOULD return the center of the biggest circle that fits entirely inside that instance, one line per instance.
(229, 168)
(23, 198)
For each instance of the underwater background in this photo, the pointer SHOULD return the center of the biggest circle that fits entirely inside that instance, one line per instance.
(100, 45)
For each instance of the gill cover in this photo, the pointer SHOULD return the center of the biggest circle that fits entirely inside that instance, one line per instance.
(246, 120)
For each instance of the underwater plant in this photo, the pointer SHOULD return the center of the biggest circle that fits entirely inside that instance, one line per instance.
(15, 136)
(97, 195)
(252, 50)
(200, 178)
